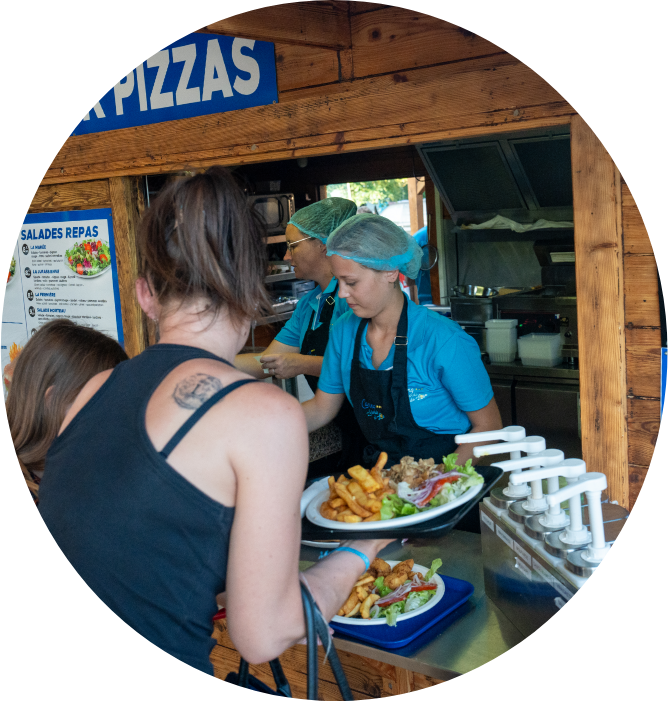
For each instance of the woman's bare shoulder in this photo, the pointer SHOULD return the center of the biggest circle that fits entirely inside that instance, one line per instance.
(87, 392)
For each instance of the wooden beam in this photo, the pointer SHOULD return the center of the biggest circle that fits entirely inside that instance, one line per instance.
(644, 421)
(127, 204)
(600, 283)
(394, 39)
(307, 23)
(299, 66)
(450, 101)
(641, 291)
(71, 196)
(415, 207)
(636, 240)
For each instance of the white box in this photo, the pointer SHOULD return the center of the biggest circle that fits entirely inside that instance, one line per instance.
(540, 349)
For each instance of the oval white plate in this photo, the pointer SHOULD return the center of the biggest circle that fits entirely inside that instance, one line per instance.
(314, 516)
(440, 590)
(85, 277)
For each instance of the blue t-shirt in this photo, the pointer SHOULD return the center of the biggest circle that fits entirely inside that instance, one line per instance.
(446, 376)
(292, 334)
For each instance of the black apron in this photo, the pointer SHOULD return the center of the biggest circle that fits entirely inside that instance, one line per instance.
(315, 342)
(383, 410)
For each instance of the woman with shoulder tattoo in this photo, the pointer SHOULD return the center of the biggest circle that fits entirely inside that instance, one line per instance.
(194, 486)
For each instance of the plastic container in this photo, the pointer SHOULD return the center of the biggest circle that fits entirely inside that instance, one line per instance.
(501, 340)
(540, 349)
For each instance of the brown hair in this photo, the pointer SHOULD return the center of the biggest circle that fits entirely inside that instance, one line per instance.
(63, 356)
(202, 239)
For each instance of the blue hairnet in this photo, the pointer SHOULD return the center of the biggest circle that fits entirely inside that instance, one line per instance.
(377, 243)
(318, 220)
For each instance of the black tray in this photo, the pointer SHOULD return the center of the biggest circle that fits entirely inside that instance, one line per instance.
(434, 528)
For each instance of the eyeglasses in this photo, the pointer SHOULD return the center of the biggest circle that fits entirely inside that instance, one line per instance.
(291, 245)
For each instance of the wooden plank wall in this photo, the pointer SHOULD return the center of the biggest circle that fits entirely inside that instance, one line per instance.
(125, 198)
(643, 343)
(351, 76)
(368, 679)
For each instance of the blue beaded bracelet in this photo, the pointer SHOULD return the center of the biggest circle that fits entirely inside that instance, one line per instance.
(367, 564)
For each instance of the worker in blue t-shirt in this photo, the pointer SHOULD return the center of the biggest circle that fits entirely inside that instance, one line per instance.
(413, 377)
(423, 281)
(300, 345)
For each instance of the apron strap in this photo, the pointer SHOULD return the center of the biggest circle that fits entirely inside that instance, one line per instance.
(400, 364)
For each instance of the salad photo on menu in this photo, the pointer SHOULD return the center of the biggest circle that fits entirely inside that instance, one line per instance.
(89, 257)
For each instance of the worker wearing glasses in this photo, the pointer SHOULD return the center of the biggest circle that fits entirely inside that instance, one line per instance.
(300, 345)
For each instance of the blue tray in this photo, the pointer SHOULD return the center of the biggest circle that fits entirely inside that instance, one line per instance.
(457, 592)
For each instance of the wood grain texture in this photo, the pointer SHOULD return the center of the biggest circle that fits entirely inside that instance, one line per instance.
(367, 678)
(299, 66)
(600, 282)
(637, 474)
(395, 39)
(71, 196)
(357, 8)
(636, 239)
(127, 204)
(644, 422)
(641, 291)
(422, 105)
(312, 23)
(643, 358)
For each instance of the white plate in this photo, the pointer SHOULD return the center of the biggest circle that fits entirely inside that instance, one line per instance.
(85, 277)
(440, 590)
(326, 544)
(314, 516)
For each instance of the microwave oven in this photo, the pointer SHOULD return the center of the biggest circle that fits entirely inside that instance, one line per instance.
(275, 210)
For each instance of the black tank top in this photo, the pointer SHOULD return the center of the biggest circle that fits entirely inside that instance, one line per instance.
(150, 544)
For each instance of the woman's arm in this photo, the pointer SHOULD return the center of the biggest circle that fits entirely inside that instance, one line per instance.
(263, 598)
(287, 365)
(486, 419)
(322, 409)
(246, 361)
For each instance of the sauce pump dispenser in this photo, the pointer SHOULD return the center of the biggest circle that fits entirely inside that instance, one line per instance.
(576, 535)
(516, 444)
(554, 519)
(584, 561)
(535, 503)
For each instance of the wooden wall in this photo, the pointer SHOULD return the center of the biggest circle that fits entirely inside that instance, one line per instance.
(357, 76)
(351, 77)
(643, 343)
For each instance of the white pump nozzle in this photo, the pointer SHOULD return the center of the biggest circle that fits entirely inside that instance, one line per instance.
(571, 469)
(536, 502)
(530, 444)
(509, 433)
(592, 484)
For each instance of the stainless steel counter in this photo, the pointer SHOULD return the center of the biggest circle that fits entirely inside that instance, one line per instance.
(469, 637)
(516, 369)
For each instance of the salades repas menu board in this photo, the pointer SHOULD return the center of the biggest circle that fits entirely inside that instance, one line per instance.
(63, 266)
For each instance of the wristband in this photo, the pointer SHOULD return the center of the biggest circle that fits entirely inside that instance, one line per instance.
(367, 564)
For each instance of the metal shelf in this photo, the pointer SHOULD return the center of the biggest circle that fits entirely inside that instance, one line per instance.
(279, 277)
(283, 316)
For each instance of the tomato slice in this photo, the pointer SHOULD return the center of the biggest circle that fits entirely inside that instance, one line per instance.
(436, 487)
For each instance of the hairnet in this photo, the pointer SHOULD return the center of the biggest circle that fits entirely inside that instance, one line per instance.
(318, 220)
(377, 243)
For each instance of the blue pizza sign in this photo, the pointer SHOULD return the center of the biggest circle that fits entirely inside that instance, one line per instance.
(197, 75)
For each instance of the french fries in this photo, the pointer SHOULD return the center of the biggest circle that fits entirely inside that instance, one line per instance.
(359, 498)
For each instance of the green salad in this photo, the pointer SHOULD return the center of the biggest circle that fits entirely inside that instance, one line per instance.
(89, 257)
(12, 270)
(447, 485)
(411, 595)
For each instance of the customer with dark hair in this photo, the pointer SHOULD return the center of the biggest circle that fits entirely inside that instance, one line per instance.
(195, 487)
(48, 375)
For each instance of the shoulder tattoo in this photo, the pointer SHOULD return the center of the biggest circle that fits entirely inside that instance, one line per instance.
(192, 392)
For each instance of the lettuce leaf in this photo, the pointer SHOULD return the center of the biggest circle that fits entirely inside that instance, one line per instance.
(418, 598)
(381, 588)
(433, 569)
